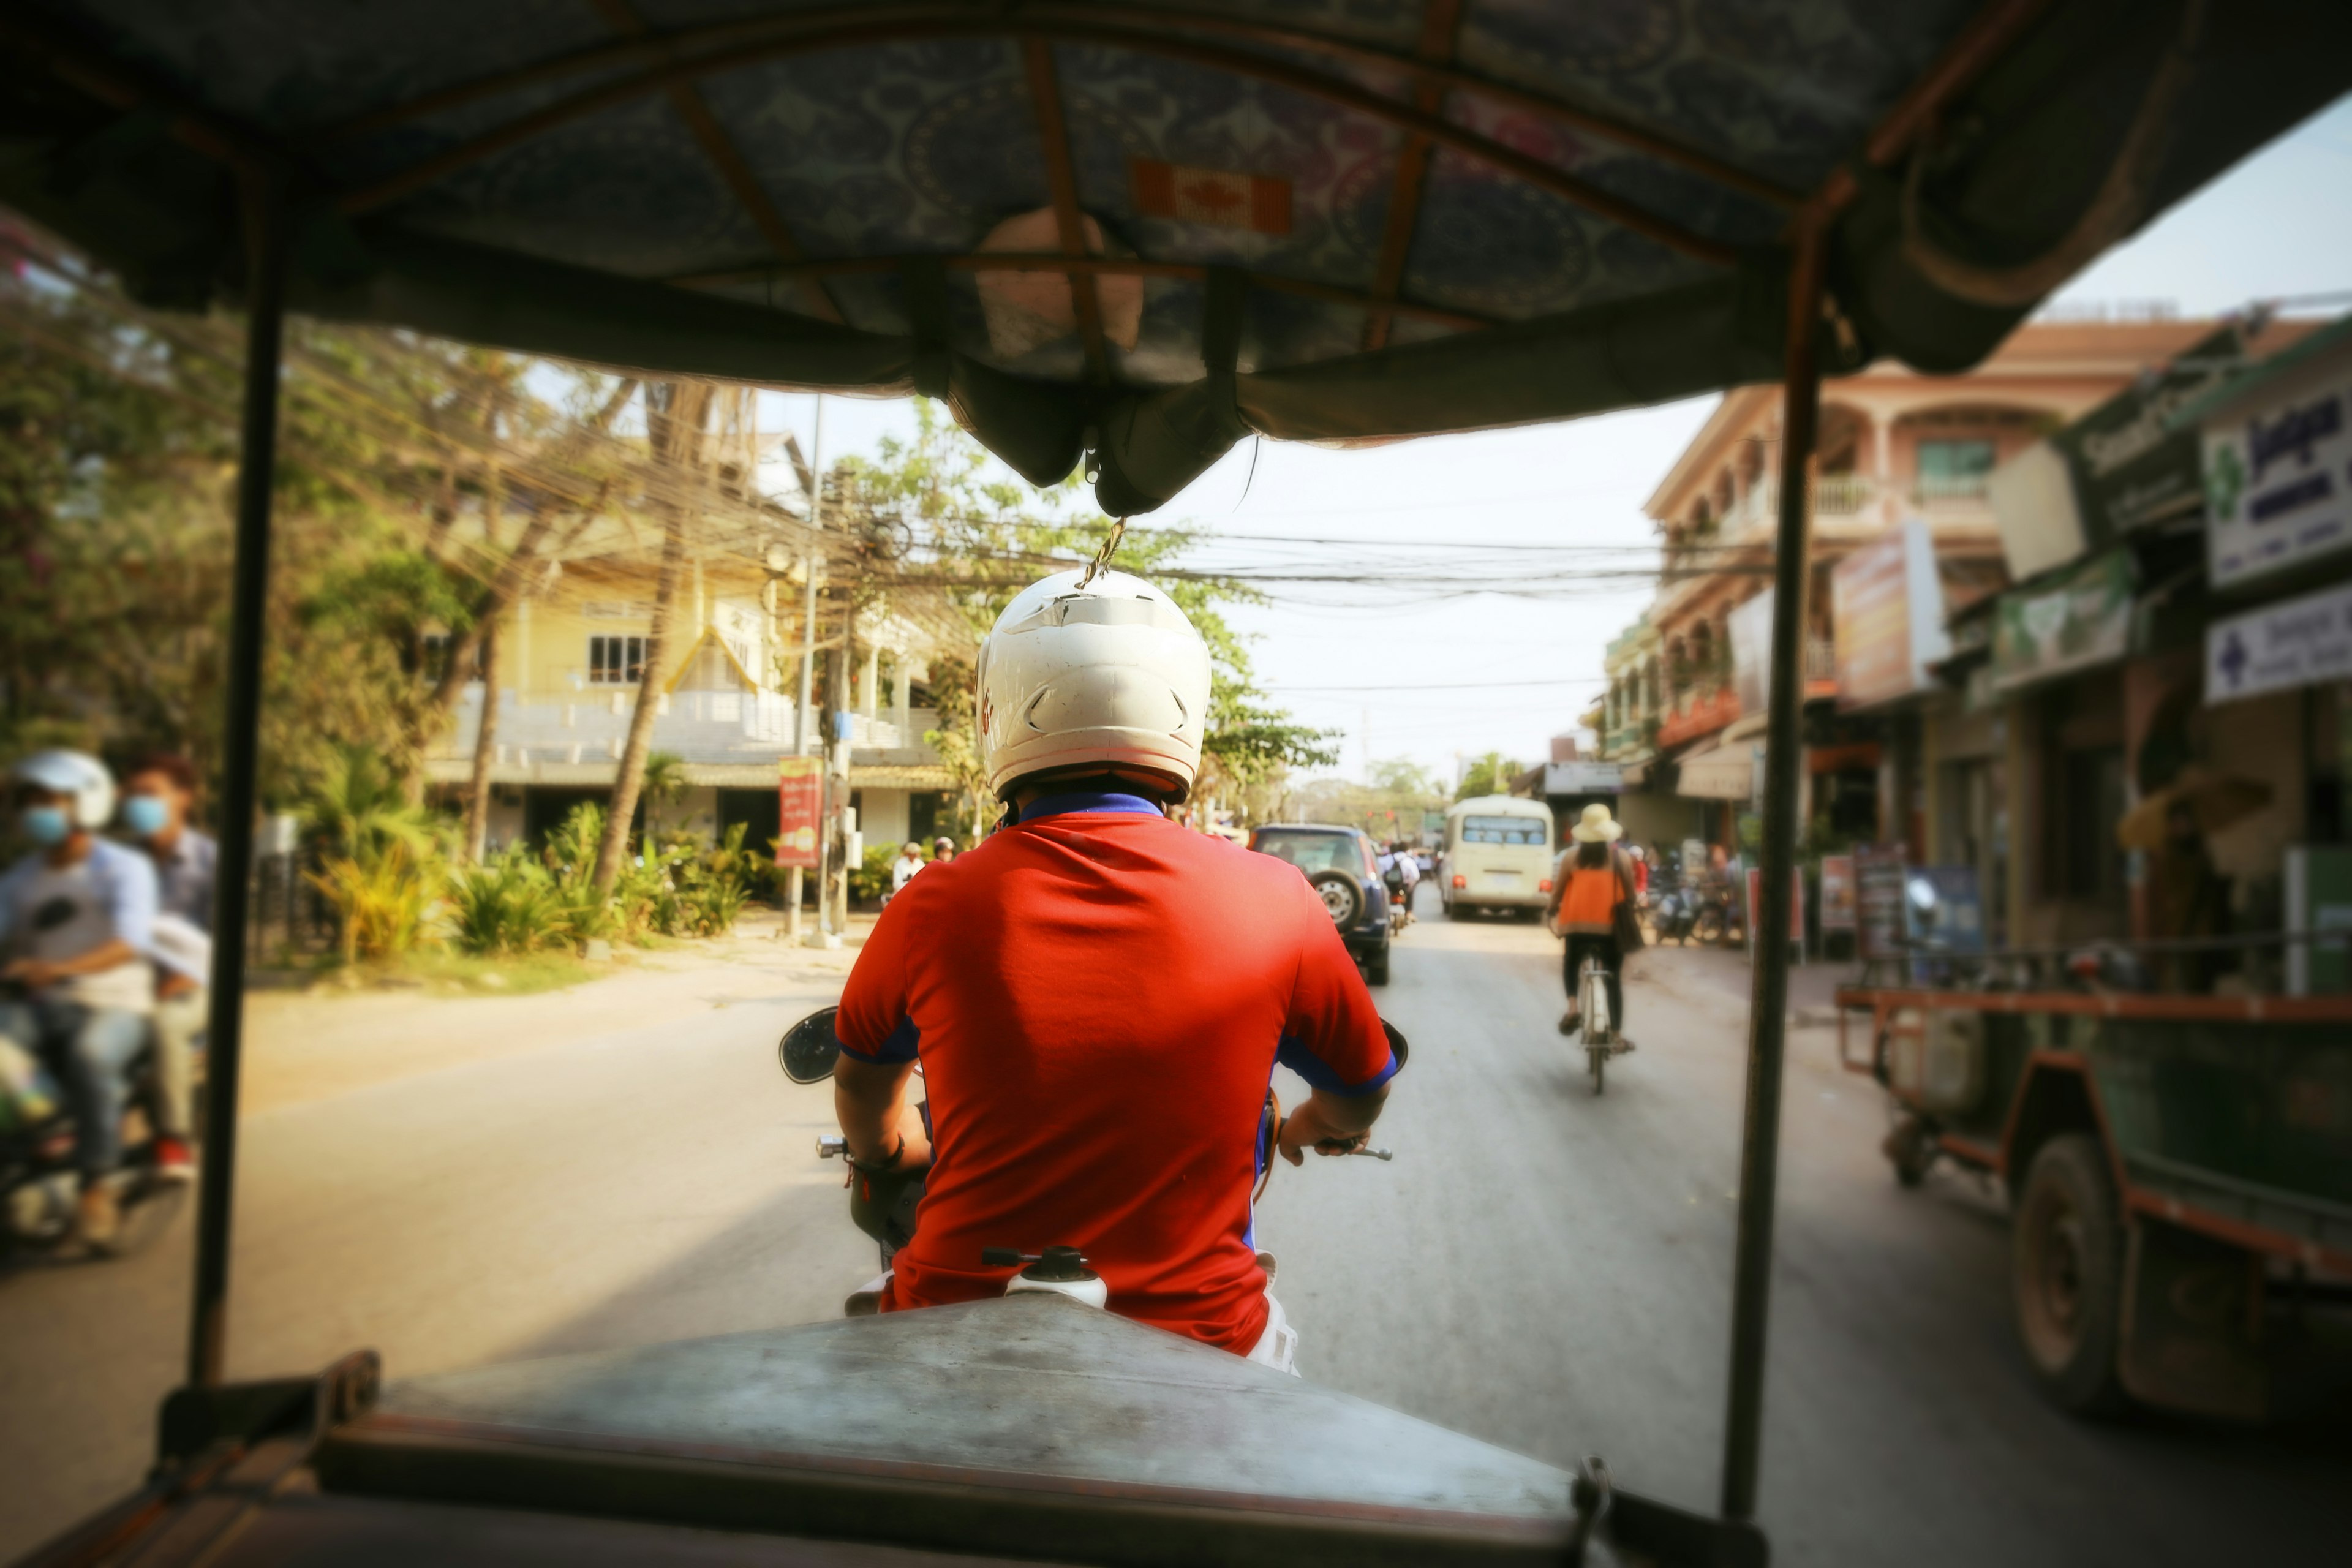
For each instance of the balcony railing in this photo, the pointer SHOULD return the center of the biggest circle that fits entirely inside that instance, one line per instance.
(1930, 489)
(1700, 715)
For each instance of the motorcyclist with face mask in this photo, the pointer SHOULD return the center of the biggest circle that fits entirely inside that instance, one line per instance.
(1096, 1055)
(77, 920)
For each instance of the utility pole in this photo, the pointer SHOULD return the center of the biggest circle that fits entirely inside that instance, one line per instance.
(817, 938)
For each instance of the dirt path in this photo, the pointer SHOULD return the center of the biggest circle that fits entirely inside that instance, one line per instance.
(302, 1046)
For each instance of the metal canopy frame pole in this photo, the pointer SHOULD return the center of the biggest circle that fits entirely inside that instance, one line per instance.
(1759, 1151)
(266, 241)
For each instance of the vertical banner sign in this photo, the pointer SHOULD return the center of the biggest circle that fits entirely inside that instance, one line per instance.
(1878, 900)
(1838, 911)
(800, 805)
(1889, 625)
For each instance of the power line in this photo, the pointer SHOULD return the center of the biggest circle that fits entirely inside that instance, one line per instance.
(1468, 685)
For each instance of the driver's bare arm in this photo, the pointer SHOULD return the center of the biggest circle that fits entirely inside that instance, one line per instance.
(1331, 1123)
(872, 1102)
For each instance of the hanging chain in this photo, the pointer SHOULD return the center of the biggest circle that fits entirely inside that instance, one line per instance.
(1101, 563)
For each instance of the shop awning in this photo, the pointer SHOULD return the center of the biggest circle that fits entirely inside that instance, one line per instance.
(1719, 772)
(1142, 232)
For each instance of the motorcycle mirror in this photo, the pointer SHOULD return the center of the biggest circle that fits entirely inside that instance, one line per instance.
(809, 1047)
(1396, 1041)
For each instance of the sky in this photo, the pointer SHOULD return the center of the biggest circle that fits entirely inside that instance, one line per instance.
(1437, 679)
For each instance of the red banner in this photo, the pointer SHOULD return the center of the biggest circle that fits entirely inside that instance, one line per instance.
(800, 810)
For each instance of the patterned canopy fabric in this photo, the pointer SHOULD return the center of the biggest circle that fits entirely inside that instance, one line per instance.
(1130, 234)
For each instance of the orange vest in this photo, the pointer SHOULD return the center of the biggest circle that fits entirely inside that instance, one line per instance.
(1591, 894)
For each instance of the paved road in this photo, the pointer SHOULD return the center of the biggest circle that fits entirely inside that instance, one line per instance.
(1540, 1268)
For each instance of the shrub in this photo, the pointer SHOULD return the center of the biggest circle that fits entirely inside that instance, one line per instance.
(386, 899)
(870, 878)
(509, 907)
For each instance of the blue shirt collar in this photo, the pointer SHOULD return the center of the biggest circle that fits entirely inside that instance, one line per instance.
(1088, 801)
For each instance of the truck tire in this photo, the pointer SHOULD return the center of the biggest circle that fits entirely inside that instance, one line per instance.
(2066, 1271)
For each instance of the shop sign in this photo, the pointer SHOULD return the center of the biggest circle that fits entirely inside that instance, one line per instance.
(1878, 878)
(1889, 605)
(2300, 642)
(799, 808)
(2133, 466)
(2079, 620)
(1751, 653)
(2278, 477)
(1838, 909)
(1583, 778)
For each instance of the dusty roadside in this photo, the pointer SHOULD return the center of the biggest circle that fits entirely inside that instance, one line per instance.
(315, 1045)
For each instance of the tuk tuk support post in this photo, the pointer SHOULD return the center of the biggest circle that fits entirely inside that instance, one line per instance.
(263, 195)
(1759, 1150)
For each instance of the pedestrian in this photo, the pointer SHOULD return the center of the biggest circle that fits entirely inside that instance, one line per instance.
(1592, 878)
(942, 851)
(903, 869)
(156, 799)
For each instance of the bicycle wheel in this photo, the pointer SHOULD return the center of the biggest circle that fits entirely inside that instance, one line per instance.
(1598, 1058)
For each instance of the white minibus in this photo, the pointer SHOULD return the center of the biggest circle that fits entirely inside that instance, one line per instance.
(1498, 855)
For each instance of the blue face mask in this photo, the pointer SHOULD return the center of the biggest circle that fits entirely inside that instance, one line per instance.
(45, 824)
(145, 815)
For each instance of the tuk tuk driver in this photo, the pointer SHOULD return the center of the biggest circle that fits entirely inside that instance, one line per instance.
(1096, 1054)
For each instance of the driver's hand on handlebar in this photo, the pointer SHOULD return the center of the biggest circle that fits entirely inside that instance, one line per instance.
(1306, 1128)
(914, 1153)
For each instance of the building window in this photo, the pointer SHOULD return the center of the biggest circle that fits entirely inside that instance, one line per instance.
(617, 661)
(1954, 468)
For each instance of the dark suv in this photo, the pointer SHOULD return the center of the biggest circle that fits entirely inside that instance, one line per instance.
(1341, 866)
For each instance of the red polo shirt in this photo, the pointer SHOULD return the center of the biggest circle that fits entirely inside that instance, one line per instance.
(1099, 997)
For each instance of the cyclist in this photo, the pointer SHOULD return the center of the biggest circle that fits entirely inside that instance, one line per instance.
(1593, 877)
(77, 918)
(1095, 1052)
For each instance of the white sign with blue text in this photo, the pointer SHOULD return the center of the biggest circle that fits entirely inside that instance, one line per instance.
(2299, 642)
(2278, 475)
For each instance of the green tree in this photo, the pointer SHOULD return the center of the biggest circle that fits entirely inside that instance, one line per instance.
(957, 523)
(1490, 774)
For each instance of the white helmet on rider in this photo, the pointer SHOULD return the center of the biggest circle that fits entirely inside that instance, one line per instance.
(78, 775)
(1111, 674)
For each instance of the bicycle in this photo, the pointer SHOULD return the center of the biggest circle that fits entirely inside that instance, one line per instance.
(1596, 1028)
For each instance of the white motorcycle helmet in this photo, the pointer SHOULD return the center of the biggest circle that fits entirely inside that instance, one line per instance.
(1111, 674)
(77, 774)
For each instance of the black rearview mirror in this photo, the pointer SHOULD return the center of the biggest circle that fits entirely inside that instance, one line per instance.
(809, 1047)
(1396, 1041)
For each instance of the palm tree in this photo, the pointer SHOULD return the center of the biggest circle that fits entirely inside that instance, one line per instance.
(662, 786)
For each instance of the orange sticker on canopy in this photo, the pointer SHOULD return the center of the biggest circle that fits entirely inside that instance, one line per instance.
(1259, 203)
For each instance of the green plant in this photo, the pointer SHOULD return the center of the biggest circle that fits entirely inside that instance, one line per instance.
(507, 907)
(384, 900)
(570, 858)
(356, 810)
(662, 786)
(870, 878)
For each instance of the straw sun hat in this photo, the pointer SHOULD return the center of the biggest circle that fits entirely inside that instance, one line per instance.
(1596, 826)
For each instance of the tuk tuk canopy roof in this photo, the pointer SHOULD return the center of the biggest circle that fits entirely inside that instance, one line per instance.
(1133, 233)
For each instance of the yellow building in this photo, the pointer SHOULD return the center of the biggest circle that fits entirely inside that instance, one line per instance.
(571, 651)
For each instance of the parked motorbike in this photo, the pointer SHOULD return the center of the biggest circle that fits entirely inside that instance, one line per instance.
(40, 1183)
(1674, 914)
(884, 1204)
